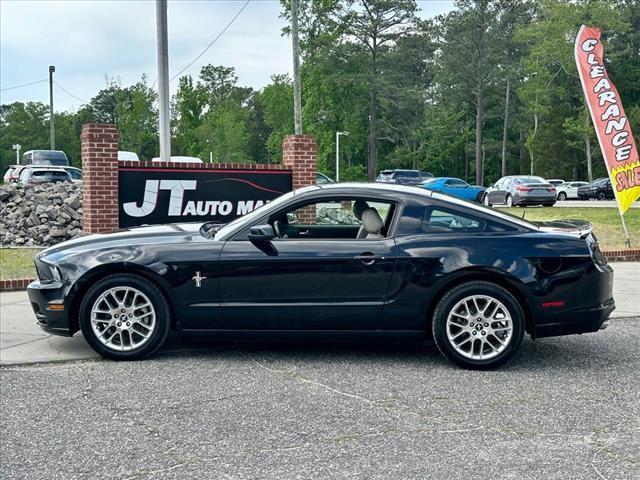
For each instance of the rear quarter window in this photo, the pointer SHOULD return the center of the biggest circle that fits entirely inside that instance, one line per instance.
(420, 219)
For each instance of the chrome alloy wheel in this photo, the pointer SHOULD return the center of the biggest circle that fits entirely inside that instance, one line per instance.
(123, 318)
(479, 327)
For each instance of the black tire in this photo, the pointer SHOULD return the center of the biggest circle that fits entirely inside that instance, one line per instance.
(486, 200)
(159, 305)
(508, 201)
(452, 298)
(562, 196)
(480, 197)
(602, 196)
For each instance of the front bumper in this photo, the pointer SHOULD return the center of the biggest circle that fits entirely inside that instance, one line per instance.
(48, 303)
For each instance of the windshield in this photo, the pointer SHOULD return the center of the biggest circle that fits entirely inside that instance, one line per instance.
(242, 222)
(407, 173)
(530, 180)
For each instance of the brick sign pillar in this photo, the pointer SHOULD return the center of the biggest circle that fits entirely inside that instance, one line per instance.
(299, 154)
(99, 144)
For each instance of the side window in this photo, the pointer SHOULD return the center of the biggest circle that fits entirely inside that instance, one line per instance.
(334, 219)
(444, 220)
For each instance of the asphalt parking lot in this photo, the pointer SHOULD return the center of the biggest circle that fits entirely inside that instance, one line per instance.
(566, 408)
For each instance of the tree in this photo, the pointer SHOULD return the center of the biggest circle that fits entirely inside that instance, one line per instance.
(376, 25)
(275, 99)
(469, 60)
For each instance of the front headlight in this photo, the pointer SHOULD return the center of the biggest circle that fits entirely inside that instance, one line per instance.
(47, 272)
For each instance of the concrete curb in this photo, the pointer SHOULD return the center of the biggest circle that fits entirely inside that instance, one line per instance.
(8, 285)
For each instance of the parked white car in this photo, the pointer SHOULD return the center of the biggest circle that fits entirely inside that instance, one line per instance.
(180, 159)
(569, 190)
(127, 156)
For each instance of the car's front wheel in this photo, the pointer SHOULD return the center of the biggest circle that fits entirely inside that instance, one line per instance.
(124, 317)
(478, 325)
(486, 200)
(602, 196)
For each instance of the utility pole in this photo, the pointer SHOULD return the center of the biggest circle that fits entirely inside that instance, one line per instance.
(51, 119)
(338, 154)
(163, 79)
(297, 100)
(17, 147)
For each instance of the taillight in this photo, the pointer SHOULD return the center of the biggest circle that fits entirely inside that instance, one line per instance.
(552, 190)
(521, 188)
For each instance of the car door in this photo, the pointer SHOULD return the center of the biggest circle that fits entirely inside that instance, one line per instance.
(498, 194)
(306, 283)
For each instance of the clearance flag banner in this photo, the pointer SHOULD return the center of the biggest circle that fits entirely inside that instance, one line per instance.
(611, 124)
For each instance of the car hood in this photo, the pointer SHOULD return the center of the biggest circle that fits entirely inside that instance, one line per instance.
(577, 227)
(154, 234)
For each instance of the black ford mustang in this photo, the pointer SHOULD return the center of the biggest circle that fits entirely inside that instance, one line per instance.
(341, 258)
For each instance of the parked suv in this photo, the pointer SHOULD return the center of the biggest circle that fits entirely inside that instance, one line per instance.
(33, 174)
(412, 177)
(599, 189)
(516, 190)
(45, 157)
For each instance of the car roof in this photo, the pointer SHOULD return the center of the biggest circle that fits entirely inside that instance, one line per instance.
(363, 188)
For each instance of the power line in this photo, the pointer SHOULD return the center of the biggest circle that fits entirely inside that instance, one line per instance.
(211, 42)
(69, 93)
(23, 85)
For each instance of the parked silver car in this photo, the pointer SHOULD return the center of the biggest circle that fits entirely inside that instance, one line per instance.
(520, 190)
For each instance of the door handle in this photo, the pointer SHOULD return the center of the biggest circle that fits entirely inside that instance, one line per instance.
(367, 258)
(303, 233)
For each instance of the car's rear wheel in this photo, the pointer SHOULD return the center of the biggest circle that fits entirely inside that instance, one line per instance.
(480, 197)
(124, 317)
(478, 325)
(562, 196)
(509, 201)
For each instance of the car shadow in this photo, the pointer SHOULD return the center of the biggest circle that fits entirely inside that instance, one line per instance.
(585, 352)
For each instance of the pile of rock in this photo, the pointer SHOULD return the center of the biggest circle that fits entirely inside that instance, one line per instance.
(40, 215)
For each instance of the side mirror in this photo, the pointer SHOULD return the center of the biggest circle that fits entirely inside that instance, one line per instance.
(261, 233)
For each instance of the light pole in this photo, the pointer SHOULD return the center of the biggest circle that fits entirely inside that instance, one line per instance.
(163, 80)
(51, 124)
(17, 147)
(338, 153)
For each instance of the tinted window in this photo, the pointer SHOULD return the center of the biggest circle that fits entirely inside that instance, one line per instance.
(455, 182)
(529, 180)
(407, 174)
(59, 176)
(75, 174)
(45, 157)
(444, 220)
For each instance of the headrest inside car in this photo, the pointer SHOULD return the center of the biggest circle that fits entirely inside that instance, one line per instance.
(371, 221)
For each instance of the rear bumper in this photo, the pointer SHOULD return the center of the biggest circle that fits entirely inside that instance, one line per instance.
(587, 302)
(578, 321)
(46, 298)
(534, 200)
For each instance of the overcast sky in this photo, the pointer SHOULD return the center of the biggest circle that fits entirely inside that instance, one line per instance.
(87, 40)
